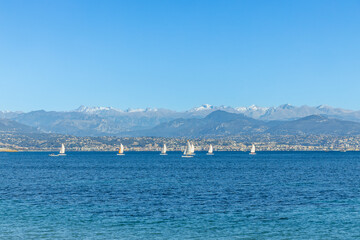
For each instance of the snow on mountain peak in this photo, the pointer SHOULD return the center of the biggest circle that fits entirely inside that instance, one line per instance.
(90, 110)
(256, 108)
(131, 110)
(253, 107)
(202, 107)
(85, 109)
(241, 109)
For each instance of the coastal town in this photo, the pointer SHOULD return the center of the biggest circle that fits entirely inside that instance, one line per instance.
(52, 142)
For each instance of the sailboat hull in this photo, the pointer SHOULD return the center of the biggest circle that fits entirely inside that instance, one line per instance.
(187, 156)
(163, 154)
(252, 153)
(120, 154)
(209, 154)
(57, 155)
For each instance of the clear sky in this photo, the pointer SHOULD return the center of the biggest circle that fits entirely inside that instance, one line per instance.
(57, 55)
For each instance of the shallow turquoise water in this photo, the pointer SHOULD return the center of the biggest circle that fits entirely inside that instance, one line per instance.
(283, 195)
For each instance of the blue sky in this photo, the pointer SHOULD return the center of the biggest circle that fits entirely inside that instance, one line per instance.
(57, 55)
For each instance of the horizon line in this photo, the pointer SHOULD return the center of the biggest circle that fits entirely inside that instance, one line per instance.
(142, 109)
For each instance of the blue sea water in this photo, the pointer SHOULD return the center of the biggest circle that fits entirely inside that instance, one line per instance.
(142, 195)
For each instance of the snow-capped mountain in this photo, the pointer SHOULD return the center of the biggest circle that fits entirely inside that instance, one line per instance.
(204, 107)
(85, 109)
(112, 121)
(251, 108)
(139, 110)
(99, 110)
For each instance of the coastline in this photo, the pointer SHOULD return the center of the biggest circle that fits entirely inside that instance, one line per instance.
(172, 151)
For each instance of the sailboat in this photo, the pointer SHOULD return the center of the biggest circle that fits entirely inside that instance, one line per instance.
(61, 153)
(210, 152)
(252, 151)
(163, 150)
(121, 150)
(187, 152)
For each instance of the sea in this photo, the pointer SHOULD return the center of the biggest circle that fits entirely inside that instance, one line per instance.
(142, 195)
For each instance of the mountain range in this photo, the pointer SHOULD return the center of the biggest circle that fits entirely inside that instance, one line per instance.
(99, 121)
(224, 124)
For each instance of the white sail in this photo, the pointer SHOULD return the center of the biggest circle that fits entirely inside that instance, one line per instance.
(192, 148)
(62, 149)
(163, 150)
(121, 150)
(210, 149)
(252, 149)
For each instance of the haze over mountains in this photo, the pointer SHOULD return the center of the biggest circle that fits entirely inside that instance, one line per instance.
(225, 124)
(98, 121)
(7, 125)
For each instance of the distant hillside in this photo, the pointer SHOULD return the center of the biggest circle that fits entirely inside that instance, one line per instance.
(11, 126)
(215, 124)
(316, 124)
(222, 124)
